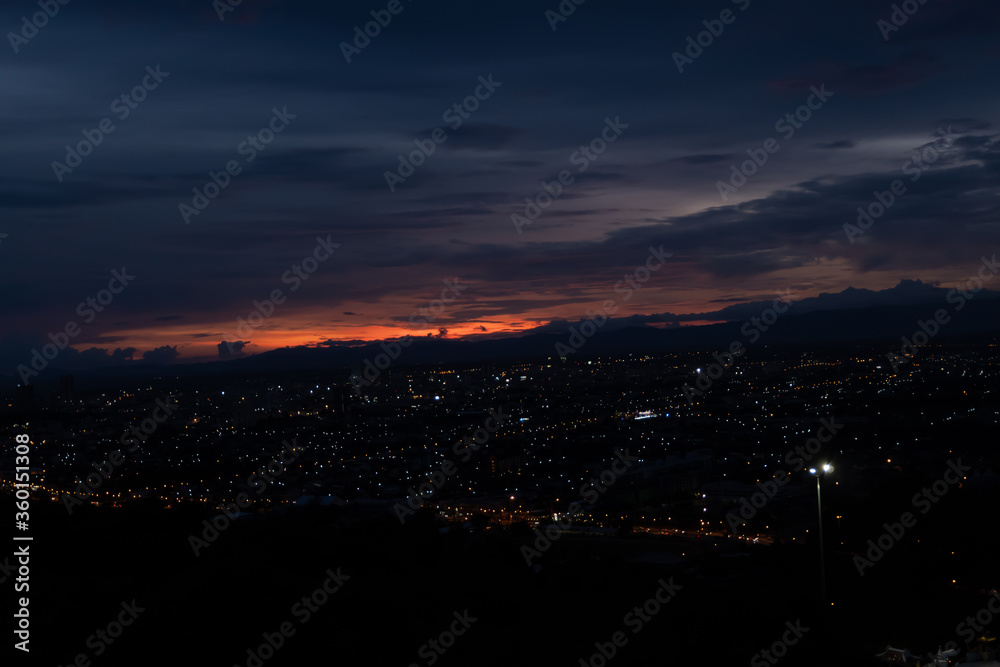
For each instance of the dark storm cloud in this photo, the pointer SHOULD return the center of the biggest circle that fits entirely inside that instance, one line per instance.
(504, 306)
(837, 145)
(466, 197)
(581, 213)
(705, 158)
(793, 227)
(161, 355)
(16, 350)
(330, 166)
(105, 339)
(45, 195)
(964, 125)
(432, 214)
(868, 78)
(481, 137)
(96, 357)
(520, 163)
(906, 292)
(324, 174)
(232, 349)
(603, 177)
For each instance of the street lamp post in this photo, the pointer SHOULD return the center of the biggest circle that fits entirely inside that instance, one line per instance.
(818, 474)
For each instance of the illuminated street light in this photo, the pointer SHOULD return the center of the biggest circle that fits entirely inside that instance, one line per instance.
(818, 474)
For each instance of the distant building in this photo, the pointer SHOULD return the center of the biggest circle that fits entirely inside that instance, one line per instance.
(897, 656)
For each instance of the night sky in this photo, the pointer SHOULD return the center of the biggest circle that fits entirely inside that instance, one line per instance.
(890, 96)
